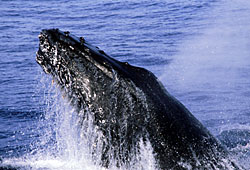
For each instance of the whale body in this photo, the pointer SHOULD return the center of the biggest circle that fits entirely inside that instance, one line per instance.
(128, 104)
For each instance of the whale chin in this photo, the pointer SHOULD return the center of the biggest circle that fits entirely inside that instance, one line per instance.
(128, 104)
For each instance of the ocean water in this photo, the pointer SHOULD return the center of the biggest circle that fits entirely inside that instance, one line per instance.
(198, 49)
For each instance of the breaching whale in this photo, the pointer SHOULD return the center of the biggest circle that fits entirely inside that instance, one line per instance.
(128, 104)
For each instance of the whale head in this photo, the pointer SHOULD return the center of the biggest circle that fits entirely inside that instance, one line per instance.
(84, 71)
(99, 84)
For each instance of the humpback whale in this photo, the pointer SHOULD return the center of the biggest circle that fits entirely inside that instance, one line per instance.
(128, 104)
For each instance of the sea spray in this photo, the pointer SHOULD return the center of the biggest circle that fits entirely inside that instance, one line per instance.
(70, 140)
(73, 138)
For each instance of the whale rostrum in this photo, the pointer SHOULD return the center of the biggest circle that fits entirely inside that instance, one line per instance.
(128, 104)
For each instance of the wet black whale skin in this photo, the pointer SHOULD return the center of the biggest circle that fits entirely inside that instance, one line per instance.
(175, 134)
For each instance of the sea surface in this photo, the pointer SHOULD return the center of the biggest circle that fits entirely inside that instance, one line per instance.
(200, 50)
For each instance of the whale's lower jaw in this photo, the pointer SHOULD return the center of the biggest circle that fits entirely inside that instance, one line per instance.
(128, 104)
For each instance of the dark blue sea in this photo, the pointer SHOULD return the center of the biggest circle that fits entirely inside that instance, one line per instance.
(200, 50)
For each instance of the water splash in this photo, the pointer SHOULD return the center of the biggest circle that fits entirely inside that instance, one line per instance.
(69, 140)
